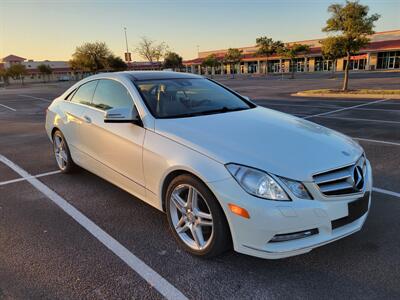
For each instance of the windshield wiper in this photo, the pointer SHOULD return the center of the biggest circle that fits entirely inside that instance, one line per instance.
(223, 109)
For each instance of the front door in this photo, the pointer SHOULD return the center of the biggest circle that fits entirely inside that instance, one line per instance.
(356, 64)
(117, 146)
(276, 68)
(75, 108)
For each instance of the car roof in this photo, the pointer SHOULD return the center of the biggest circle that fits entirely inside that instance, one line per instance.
(154, 75)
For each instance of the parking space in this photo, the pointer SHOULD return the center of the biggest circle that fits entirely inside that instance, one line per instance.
(46, 254)
(49, 254)
(6, 173)
(379, 120)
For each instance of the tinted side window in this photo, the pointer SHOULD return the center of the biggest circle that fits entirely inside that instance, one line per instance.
(111, 94)
(85, 92)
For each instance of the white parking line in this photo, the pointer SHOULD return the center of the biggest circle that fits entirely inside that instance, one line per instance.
(305, 116)
(8, 107)
(376, 141)
(355, 119)
(386, 192)
(26, 178)
(36, 98)
(135, 263)
(330, 106)
(358, 138)
(345, 108)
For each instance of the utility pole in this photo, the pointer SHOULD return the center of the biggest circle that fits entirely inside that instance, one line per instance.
(198, 50)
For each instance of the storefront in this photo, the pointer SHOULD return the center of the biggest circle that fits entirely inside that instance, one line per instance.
(388, 60)
(382, 53)
(321, 64)
(357, 62)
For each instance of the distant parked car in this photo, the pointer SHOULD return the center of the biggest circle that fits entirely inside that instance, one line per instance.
(63, 78)
(225, 170)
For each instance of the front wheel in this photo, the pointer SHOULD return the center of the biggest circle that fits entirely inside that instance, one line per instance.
(195, 217)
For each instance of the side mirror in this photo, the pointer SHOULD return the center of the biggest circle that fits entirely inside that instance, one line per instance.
(122, 115)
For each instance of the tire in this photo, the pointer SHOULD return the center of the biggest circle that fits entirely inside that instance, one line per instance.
(62, 154)
(187, 222)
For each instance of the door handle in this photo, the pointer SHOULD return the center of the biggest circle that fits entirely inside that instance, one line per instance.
(87, 119)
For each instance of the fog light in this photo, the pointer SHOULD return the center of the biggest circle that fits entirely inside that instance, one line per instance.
(293, 235)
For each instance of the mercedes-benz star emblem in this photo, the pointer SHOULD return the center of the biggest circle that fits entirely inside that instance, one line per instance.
(358, 178)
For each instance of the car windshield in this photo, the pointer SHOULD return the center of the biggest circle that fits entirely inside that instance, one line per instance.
(178, 98)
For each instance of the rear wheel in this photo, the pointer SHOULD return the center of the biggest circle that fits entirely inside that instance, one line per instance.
(195, 217)
(62, 154)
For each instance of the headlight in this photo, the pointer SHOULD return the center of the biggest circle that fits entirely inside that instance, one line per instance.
(257, 183)
(297, 188)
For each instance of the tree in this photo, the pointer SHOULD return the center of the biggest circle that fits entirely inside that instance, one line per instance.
(353, 24)
(4, 75)
(292, 51)
(115, 63)
(90, 57)
(210, 61)
(267, 47)
(17, 71)
(45, 70)
(232, 57)
(333, 48)
(172, 60)
(150, 50)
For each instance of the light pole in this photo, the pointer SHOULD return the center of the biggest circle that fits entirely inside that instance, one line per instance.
(126, 41)
(127, 54)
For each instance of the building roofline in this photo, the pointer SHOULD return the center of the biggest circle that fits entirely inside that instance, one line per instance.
(388, 45)
(300, 41)
(13, 56)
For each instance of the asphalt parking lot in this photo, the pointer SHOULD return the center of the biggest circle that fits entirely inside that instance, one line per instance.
(104, 243)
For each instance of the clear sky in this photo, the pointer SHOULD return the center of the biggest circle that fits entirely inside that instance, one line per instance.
(52, 29)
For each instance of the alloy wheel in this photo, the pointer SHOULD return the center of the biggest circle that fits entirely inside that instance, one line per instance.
(191, 217)
(60, 152)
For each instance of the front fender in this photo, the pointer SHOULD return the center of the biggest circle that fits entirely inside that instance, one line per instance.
(161, 156)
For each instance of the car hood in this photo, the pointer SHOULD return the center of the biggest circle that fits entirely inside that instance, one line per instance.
(266, 139)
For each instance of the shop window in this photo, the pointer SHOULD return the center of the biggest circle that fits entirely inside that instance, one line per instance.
(388, 60)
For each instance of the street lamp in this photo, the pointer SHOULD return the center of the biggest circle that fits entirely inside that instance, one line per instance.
(128, 57)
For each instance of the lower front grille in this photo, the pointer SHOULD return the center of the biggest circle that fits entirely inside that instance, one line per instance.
(357, 209)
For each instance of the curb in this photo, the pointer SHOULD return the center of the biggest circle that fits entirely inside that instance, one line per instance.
(339, 95)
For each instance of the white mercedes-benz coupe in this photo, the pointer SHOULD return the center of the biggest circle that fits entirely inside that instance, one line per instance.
(226, 171)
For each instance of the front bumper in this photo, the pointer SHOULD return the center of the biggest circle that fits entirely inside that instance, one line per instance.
(270, 218)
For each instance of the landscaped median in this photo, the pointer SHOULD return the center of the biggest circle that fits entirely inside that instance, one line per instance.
(361, 93)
